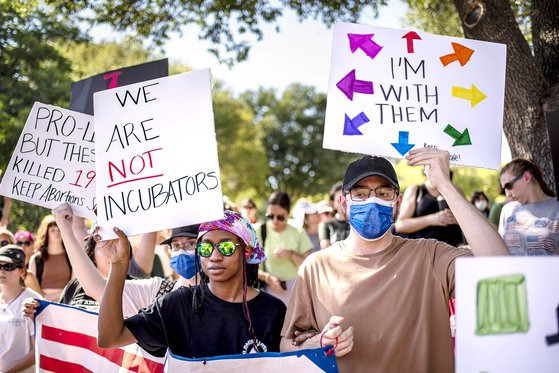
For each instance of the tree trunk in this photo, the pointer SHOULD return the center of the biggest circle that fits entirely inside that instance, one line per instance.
(526, 86)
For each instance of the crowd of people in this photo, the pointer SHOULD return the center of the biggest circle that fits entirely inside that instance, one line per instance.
(369, 271)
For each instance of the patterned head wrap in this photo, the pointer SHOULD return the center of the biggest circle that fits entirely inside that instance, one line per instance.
(234, 223)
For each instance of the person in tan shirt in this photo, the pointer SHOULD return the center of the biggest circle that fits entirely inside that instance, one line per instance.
(382, 300)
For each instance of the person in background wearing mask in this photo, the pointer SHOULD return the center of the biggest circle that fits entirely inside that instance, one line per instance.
(383, 300)
(481, 202)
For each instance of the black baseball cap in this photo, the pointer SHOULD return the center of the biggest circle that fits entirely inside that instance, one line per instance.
(370, 166)
(188, 231)
(13, 254)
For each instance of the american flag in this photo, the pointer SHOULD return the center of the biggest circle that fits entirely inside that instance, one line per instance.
(66, 341)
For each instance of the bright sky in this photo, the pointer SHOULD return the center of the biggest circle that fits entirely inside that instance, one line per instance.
(300, 52)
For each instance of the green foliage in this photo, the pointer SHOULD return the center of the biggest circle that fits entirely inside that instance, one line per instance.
(440, 17)
(231, 26)
(293, 127)
(436, 16)
(31, 69)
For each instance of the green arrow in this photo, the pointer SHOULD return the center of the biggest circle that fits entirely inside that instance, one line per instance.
(461, 138)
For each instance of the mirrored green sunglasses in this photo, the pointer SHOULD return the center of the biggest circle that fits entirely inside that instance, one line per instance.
(226, 248)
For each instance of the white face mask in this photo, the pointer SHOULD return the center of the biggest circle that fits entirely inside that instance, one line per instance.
(481, 204)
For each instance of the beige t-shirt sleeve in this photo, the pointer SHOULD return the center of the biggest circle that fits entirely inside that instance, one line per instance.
(444, 257)
(300, 311)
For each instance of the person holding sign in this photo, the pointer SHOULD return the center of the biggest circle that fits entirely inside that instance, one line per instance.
(222, 317)
(380, 299)
(530, 223)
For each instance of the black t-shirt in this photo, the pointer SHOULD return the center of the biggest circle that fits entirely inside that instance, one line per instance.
(74, 295)
(217, 328)
(333, 230)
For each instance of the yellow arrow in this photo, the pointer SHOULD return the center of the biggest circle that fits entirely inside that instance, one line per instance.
(474, 95)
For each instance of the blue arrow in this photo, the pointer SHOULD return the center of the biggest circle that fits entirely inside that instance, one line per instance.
(351, 125)
(403, 146)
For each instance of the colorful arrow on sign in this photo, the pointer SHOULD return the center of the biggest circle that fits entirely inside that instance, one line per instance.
(349, 84)
(364, 42)
(461, 54)
(351, 125)
(460, 138)
(411, 36)
(474, 95)
(403, 146)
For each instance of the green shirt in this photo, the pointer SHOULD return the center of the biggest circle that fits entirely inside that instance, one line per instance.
(291, 238)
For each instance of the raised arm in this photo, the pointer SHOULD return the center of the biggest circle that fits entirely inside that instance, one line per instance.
(110, 325)
(86, 272)
(481, 236)
(145, 252)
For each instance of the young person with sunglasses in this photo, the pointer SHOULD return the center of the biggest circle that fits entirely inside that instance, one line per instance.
(285, 246)
(383, 299)
(223, 316)
(16, 331)
(7, 238)
(529, 224)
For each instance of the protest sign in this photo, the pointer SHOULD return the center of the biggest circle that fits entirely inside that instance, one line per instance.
(157, 164)
(81, 98)
(54, 161)
(391, 91)
(66, 341)
(507, 314)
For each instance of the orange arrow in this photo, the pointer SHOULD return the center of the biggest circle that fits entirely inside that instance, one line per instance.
(461, 54)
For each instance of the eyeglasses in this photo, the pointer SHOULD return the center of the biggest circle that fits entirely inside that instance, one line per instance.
(187, 246)
(510, 184)
(272, 217)
(226, 248)
(360, 194)
(23, 243)
(8, 267)
(249, 207)
(4, 243)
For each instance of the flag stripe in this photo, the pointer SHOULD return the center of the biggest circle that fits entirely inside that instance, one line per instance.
(120, 357)
(56, 365)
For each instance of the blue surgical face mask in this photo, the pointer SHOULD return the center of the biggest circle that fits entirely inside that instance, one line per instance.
(372, 218)
(183, 264)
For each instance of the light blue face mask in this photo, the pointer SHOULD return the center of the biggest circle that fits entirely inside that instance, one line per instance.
(372, 218)
(183, 264)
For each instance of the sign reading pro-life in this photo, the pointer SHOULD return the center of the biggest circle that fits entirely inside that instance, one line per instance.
(391, 91)
(54, 161)
(157, 164)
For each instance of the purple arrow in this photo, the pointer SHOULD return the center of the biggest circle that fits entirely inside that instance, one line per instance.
(349, 84)
(351, 125)
(364, 42)
(403, 146)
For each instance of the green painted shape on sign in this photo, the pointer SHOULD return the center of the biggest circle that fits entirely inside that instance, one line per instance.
(461, 138)
(502, 305)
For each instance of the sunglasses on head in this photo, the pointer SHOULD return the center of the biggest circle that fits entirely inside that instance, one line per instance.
(8, 267)
(4, 243)
(272, 217)
(226, 248)
(23, 243)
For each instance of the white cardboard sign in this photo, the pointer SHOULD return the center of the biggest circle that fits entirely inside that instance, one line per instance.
(157, 164)
(54, 161)
(507, 314)
(391, 91)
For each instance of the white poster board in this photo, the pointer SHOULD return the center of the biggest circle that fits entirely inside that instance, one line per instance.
(157, 164)
(527, 350)
(54, 161)
(391, 91)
